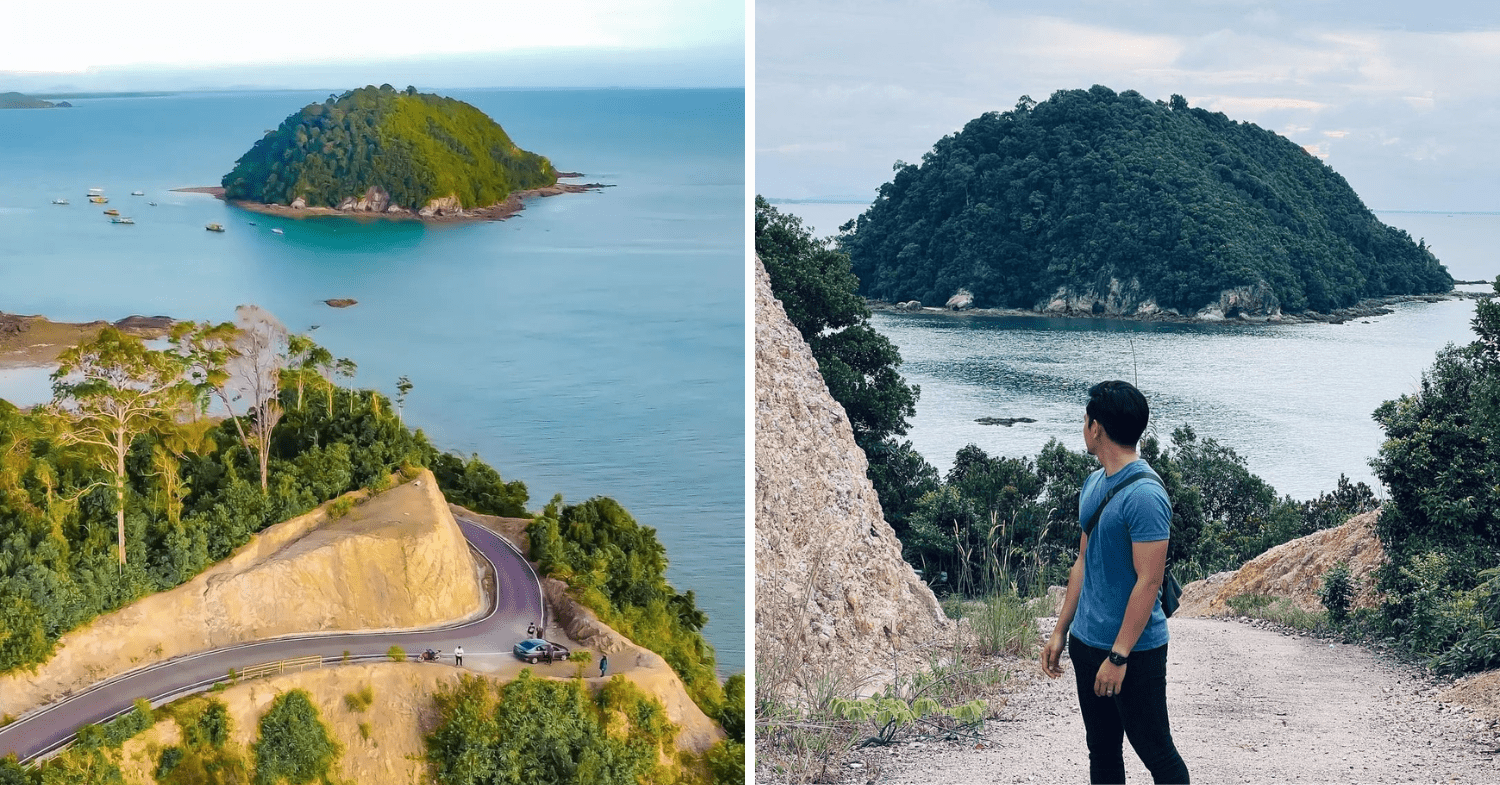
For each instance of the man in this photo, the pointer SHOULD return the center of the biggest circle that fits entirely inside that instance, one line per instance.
(603, 664)
(458, 655)
(1111, 621)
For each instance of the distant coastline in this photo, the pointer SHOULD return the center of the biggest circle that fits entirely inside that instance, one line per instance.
(496, 212)
(1364, 309)
(30, 341)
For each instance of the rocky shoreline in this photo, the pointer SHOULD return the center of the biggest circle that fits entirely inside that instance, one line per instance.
(1365, 309)
(376, 204)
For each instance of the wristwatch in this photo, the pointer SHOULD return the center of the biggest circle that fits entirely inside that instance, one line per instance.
(1118, 659)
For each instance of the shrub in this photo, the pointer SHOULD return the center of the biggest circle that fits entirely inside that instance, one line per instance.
(396, 654)
(294, 744)
(168, 761)
(1004, 623)
(1336, 592)
(340, 507)
(360, 699)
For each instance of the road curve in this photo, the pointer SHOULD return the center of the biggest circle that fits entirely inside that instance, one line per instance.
(517, 602)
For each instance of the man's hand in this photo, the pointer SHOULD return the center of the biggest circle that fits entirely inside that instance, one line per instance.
(1052, 656)
(1110, 677)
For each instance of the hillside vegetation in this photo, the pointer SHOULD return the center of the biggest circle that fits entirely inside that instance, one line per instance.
(14, 100)
(416, 147)
(1128, 206)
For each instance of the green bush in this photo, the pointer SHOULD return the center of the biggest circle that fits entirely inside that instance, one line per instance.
(360, 699)
(116, 732)
(294, 744)
(396, 654)
(1336, 592)
(533, 730)
(1004, 623)
(168, 761)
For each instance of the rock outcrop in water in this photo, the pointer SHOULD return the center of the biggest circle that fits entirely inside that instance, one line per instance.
(830, 584)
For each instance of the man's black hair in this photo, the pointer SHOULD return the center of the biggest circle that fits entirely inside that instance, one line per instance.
(1121, 409)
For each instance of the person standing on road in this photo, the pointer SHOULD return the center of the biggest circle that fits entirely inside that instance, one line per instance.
(1111, 621)
(531, 630)
(603, 664)
(458, 655)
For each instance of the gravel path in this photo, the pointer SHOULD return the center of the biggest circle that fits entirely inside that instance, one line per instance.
(1248, 704)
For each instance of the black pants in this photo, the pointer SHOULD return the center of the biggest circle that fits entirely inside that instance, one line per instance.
(1139, 711)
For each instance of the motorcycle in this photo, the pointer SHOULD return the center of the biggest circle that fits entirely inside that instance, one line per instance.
(430, 655)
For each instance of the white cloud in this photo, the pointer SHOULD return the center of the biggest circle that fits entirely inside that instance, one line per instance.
(1336, 134)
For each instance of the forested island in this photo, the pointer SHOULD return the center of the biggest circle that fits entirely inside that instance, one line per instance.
(379, 150)
(1097, 202)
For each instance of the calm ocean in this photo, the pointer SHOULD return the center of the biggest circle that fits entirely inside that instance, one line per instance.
(1293, 400)
(594, 345)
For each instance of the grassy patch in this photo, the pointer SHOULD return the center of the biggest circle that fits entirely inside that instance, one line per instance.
(1278, 610)
(360, 699)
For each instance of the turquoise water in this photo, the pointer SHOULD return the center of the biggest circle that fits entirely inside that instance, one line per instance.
(594, 345)
(1294, 400)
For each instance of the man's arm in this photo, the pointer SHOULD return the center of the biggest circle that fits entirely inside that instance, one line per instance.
(1052, 652)
(1150, 561)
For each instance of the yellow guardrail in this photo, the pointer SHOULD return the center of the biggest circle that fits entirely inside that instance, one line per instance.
(280, 666)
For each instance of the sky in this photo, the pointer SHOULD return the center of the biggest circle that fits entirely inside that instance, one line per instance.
(1401, 98)
(89, 45)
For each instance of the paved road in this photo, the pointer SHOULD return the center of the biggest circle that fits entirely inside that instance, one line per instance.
(518, 601)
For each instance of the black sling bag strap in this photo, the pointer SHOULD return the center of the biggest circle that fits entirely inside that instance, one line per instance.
(1171, 591)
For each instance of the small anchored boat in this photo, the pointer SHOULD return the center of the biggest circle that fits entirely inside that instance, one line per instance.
(120, 220)
(99, 199)
(59, 201)
(277, 231)
(137, 193)
(111, 211)
(215, 227)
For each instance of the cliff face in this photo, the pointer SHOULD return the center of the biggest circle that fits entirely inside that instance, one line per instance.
(830, 583)
(396, 561)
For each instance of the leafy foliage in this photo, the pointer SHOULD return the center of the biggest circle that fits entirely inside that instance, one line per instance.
(204, 757)
(1336, 591)
(618, 568)
(533, 730)
(189, 494)
(294, 745)
(415, 146)
(1440, 461)
(1011, 524)
(1093, 186)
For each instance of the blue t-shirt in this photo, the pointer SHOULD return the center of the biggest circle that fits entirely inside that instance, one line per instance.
(1139, 513)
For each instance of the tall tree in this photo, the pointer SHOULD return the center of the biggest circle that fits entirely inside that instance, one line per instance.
(403, 386)
(255, 373)
(111, 390)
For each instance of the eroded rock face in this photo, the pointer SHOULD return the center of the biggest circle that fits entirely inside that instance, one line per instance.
(445, 205)
(375, 200)
(829, 579)
(396, 561)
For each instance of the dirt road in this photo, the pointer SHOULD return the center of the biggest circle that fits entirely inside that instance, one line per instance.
(1248, 705)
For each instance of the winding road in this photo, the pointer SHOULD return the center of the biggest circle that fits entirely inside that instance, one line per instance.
(517, 602)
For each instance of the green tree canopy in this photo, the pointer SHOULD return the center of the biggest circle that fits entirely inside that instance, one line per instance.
(416, 147)
(1094, 193)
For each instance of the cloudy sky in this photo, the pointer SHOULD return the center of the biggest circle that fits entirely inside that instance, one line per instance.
(172, 44)
(1402, 98)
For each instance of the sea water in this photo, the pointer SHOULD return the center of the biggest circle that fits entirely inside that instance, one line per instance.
(1294, 400)
(592, 345)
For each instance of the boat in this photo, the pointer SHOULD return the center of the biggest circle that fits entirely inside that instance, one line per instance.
(111, 211)
(99, 199)
(153, 204)
(120, 220)
(137, 193)
(59, 201)
(277, 231)
(215, 227)
(252, 223)
(96, 192)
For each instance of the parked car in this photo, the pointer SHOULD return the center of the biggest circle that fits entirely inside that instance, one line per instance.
(533, 650)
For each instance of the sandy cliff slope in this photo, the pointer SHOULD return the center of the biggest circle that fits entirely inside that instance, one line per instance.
(829, 579)
(397, 560)
(1295, 570)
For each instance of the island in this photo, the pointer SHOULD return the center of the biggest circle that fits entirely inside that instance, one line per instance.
(15, 100)
(1109, 204)
(380, 151)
